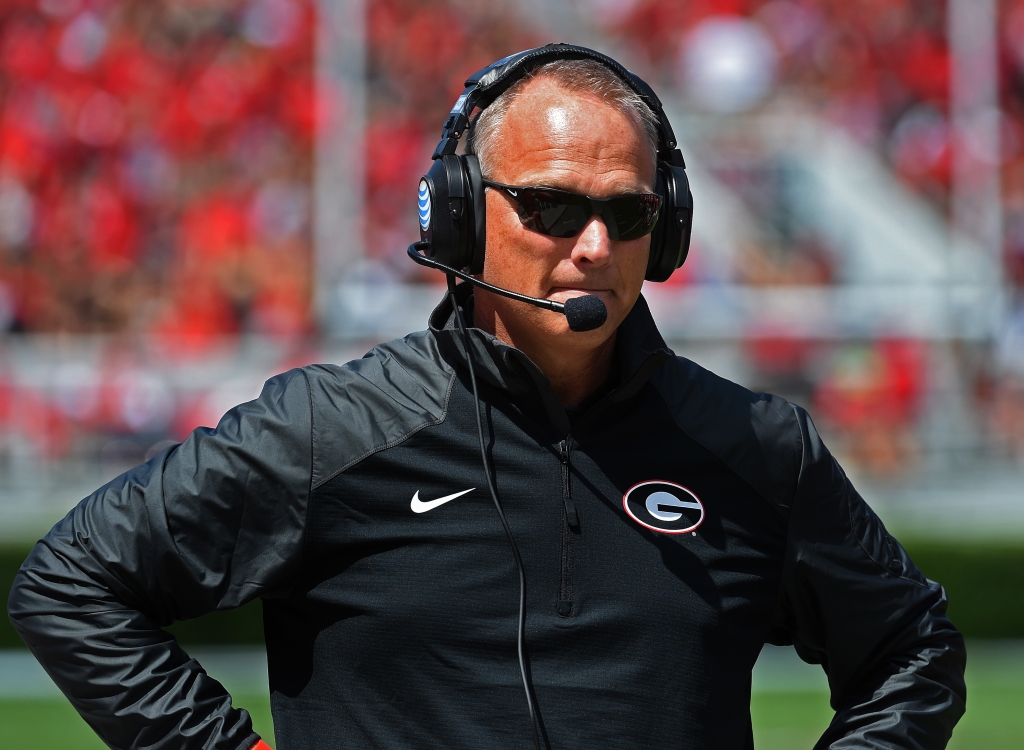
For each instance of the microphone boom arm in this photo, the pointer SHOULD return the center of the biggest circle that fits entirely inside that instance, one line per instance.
(414, 253)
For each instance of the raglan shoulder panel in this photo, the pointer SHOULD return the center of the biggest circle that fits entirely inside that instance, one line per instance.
(757, 435)
(376, 402)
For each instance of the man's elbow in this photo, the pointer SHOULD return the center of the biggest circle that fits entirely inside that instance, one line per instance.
(938, 653)
(50, 593)
(32, 595)
(15, 603)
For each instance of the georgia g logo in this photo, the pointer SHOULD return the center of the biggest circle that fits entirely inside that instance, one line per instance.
(665, 507)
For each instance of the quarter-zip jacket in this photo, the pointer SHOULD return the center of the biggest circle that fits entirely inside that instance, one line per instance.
(389, 628)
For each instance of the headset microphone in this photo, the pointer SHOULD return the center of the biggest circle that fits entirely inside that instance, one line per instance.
(583, 313)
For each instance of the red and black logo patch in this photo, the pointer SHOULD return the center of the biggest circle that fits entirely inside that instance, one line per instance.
(663, 506)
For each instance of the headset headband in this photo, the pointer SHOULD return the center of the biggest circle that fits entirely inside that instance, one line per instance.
(486, 85)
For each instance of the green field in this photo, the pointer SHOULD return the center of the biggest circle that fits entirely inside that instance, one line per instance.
(54, 724)
(791, 721)
(790, 705)
(782, 721)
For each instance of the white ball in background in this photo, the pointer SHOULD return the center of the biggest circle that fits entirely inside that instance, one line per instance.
(728, 64)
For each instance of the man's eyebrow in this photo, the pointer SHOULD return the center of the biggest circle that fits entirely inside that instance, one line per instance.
(624, 191)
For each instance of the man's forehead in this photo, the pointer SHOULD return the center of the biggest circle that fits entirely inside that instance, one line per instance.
(552, 129)
(558, 120)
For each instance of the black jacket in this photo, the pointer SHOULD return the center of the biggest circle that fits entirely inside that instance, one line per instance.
(388, 628)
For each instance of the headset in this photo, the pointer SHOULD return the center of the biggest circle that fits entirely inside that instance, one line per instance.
(452, 222)
(451, 201)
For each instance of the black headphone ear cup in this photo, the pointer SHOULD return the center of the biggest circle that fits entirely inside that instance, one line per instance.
(477, 211)
(670, 240)
(444, 213)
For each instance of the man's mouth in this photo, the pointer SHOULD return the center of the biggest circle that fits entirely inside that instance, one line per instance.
(562, 293)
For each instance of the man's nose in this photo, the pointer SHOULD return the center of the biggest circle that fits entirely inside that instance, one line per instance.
(592, 244)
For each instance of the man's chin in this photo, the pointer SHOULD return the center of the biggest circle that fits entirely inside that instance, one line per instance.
(555, 328)
(526, 326)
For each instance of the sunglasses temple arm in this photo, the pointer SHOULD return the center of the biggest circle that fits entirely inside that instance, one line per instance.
(414, 253)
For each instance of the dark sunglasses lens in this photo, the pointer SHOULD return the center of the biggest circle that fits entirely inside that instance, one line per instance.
(551, 213)
(634, 216)
(556, 213)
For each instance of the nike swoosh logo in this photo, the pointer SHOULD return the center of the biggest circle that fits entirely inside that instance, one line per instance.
(419, 506)
(513, 193)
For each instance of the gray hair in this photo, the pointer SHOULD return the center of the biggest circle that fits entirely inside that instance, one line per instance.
(584, 76)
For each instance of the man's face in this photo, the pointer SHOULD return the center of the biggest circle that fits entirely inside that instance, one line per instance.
(555, 138)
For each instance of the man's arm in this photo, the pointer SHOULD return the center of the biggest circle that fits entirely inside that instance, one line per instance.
(209, 524)
(853, 601)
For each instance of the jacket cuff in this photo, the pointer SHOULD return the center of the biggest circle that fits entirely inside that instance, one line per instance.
(261, 745)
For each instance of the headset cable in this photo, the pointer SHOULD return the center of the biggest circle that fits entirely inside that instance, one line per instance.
(521, 635)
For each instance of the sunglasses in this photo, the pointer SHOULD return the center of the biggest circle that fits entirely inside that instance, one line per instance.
(559, 213)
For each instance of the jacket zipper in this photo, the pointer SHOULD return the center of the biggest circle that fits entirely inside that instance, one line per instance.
(570, 526)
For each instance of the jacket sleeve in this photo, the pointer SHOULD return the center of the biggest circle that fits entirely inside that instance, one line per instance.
(209, 524)
(853, 601)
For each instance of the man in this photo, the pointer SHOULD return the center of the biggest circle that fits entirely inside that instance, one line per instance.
(669, 522)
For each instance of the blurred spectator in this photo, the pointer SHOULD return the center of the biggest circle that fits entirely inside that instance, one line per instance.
(872, 395)
(728, 64)
(1002, 389)
(783, 364)
(1006, 415)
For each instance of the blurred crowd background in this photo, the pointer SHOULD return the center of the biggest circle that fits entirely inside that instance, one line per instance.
(158, 166)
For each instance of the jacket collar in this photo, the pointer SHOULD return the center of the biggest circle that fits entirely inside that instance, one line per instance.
(639, 351)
